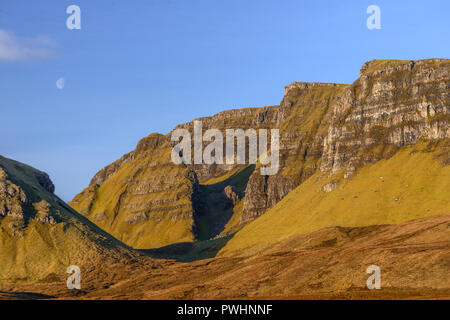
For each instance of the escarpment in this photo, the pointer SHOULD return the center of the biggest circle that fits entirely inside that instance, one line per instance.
(391, 105)
(147, 201)
(305, 110)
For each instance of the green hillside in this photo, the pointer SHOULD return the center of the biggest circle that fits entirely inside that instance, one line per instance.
(40, 236)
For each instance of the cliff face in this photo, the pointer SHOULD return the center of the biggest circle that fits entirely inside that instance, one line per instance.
(305, 114)
(147, 201)
(391, 105)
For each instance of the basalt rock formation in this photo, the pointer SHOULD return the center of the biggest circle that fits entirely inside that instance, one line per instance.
(391, 105)
(147, 201)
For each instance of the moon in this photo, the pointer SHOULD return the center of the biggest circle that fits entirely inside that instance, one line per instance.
(60, 83)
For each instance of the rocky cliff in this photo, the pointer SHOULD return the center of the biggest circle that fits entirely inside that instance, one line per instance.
(391, 105)
(147, 201)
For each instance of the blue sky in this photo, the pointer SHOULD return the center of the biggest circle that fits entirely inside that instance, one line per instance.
(138, 67)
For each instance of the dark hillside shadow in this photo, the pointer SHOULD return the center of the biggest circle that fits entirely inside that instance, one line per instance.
(23, 296)
(213, 209)
(189, 251)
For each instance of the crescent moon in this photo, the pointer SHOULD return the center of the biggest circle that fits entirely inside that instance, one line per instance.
(60, 83)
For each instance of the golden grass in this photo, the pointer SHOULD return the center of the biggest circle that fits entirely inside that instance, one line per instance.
(222, 178)
(410, 185)
(45, 248)
(114, 203)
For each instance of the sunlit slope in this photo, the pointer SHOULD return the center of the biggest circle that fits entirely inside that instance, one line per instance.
(414, 183)
(40, 236)
(145, 201)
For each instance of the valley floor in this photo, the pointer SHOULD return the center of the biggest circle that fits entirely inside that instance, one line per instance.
(414, 258)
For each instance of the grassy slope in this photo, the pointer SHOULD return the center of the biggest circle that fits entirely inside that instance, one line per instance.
(48, 249)
(412, 184)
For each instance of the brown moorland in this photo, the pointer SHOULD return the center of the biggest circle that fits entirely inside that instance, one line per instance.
(327, 264)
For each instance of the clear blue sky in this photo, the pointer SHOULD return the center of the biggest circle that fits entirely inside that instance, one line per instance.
(138, 67)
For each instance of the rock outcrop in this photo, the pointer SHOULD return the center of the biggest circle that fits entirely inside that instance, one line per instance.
(232, 194)
(45, 182)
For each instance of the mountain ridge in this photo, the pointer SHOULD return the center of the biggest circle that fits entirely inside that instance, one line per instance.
(323, 127)
(364, 179)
